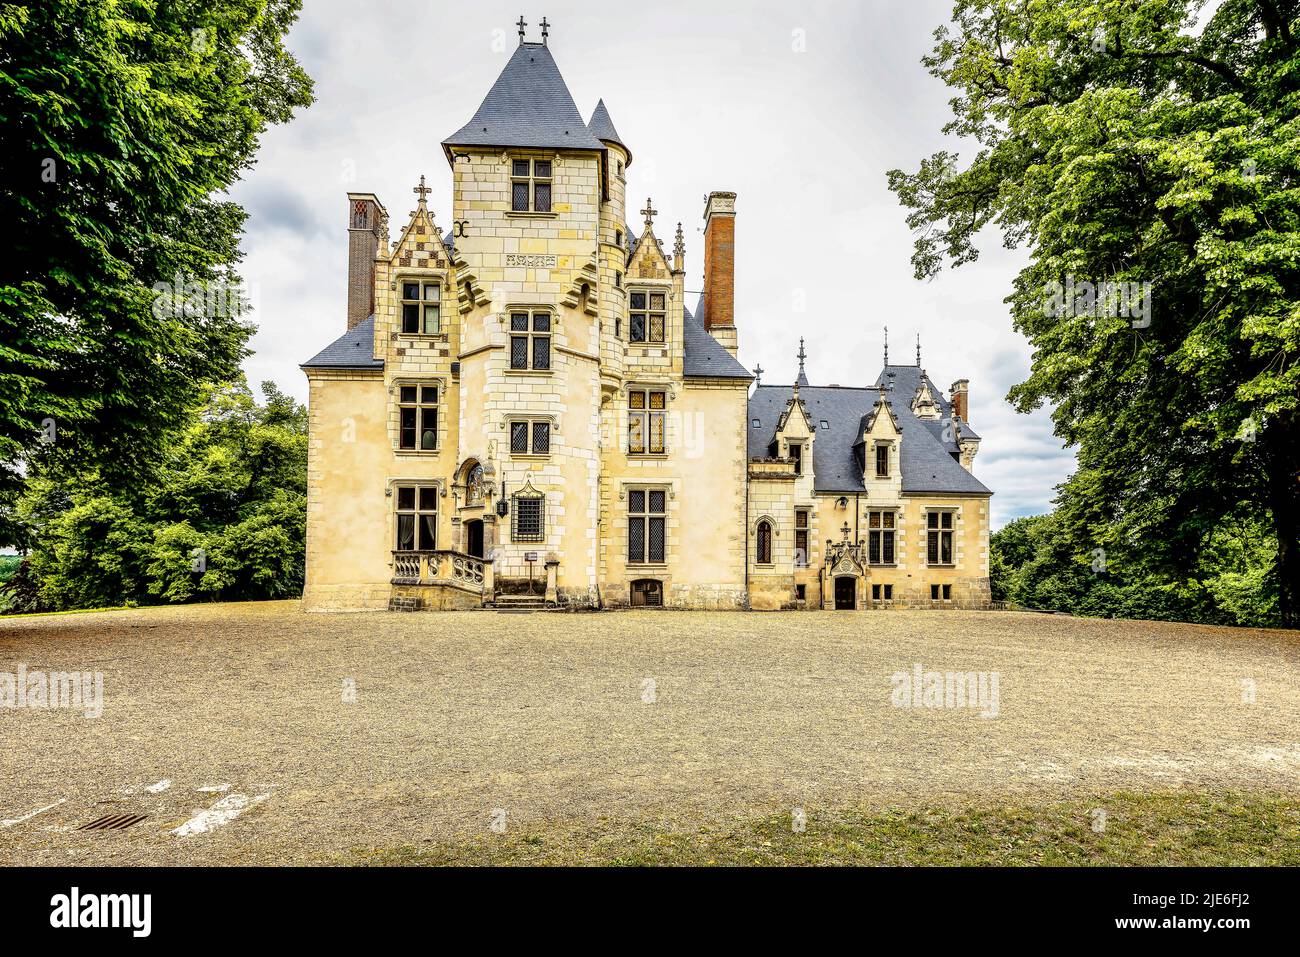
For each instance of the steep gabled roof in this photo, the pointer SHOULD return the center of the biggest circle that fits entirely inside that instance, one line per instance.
(355, 349)
(703, 356)
(928, 462)
(529, 105)
(602, 127)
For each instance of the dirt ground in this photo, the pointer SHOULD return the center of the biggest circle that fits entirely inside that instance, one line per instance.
(235, 725)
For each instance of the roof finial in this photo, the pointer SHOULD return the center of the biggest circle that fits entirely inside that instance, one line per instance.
(545, 31)
(521, 24)
(802, 355)
(758, 374)
(422, 191)
(886, 345)
(918, 350)
(649, 213)
(679, 247)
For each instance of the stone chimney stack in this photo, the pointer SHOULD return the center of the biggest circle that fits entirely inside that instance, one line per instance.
(367, 229)
(719, 316)
(960, 399)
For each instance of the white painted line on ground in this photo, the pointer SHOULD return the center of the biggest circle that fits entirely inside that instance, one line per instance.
(28, 817)
(161, 786)
(219, 815)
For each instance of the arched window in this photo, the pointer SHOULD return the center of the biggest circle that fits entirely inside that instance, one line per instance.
(765, 542)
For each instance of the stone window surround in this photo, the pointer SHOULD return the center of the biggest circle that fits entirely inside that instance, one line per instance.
(670, 496)
(646, 286)
(669, 486)
(897, 512)
(772, 528)
(531, 155)
(394, 416)
(390, 493)
(925, 532)
(417, 274)
(532, 308)
(892, 459)
(530, 417)
(644, 385)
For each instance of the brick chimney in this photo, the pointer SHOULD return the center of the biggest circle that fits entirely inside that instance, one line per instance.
(719, 316)
(367, 223)
(960, 391)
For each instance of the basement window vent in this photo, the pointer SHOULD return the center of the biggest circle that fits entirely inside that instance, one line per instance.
(756, 424)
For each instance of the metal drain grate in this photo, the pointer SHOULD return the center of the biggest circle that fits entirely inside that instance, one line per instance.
(113, 822)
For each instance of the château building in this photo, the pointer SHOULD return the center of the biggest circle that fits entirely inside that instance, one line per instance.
(523, 404)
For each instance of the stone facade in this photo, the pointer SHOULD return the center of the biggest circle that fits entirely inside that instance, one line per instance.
(530, 408)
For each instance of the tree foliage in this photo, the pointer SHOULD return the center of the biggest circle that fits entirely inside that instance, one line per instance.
(1121, 141)
(120, 122)
(224, 519)
(1034, 563)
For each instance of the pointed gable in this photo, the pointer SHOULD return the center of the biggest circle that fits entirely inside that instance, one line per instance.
(421, 244)
(648, 260)
(528, 106)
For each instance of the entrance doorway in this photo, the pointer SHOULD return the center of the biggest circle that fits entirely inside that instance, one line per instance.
(846, 593)
(474, 537)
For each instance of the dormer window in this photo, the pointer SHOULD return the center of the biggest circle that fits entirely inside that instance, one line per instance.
(796, 456)
(421, 308)
(530, 186)
(647, 315)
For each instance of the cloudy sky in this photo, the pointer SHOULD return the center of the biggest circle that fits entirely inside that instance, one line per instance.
(800, 109)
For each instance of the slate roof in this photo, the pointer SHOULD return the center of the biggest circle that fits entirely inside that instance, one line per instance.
(602, 127)
(529, 105)
(928, 464)
(703, 356)
(353, 350)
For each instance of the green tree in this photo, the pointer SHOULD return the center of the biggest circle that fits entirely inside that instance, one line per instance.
(120, 120)
(1119, 143)
(223, 518)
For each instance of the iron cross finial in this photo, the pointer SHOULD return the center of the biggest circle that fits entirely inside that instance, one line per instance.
(545, 30)
(521, 24)
(649, 212)
(422, 191)
(758, 374)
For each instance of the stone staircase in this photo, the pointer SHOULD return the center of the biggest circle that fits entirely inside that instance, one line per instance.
(519, 604)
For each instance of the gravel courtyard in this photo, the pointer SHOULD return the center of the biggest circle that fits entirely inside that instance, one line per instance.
(232, 724)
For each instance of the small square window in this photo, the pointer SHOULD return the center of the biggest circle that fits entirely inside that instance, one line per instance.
(825, 425)
(521, 167)
(755, 423)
